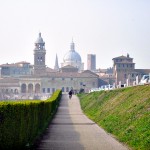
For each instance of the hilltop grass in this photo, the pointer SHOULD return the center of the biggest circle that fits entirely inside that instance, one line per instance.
(124, 113)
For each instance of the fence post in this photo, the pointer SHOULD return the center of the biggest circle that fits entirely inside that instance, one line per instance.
(137, 80)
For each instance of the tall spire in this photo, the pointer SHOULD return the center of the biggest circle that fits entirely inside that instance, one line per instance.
(39, 34)
(72, 46)
(56, 67)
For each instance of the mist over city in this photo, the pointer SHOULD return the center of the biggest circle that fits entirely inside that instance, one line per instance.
(75, 74)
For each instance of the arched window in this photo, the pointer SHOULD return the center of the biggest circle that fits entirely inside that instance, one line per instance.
(37, 88)
(23, 88)
(30, 88)
(16, 91)
(11, 90)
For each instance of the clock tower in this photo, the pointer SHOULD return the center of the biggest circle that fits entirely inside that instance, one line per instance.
(39, 56)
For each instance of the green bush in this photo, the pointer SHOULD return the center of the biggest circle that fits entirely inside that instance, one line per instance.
(22, 122)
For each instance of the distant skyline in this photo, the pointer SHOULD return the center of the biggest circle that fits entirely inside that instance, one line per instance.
(107, 28)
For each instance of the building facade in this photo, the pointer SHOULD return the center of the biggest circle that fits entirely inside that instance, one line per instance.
(124, 71)
(16, 69)
(122, 67)
(44, 81)
(91, 62)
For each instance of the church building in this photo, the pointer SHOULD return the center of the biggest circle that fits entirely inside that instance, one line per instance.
(40, 80)
(72, 58)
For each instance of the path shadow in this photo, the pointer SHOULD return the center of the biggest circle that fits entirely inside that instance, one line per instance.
(61, 133)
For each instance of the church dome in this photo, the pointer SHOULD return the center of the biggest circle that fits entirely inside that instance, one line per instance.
(39, 39)
(72, 55)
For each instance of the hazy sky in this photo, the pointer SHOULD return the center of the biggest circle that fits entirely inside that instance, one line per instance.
(107, 28)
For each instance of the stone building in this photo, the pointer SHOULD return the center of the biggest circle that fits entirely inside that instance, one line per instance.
(122, 67)
(41, 80)
(9, 87)
(91, 62)
(69, 80)
(124, 70)
(16, 69)
(105, 76)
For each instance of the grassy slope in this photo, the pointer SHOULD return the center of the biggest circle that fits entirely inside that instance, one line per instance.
(124, 113)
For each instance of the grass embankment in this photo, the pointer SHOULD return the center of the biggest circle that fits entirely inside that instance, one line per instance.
(124, 113)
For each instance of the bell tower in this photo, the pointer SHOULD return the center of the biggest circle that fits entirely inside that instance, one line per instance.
(39, 56)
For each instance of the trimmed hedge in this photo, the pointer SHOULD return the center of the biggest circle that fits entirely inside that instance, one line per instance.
(22, 122)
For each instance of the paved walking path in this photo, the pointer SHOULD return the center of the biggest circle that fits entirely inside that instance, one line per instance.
(72, 130)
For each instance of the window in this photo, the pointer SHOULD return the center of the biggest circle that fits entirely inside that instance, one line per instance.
(67, 89)
(125, 76)
(53, 78)
(63, 78)
(62, 89)
(43, 90)
(48, 90)
(53, 90)
(71, 78)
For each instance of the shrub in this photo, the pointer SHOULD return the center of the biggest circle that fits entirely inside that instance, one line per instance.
(22, 122)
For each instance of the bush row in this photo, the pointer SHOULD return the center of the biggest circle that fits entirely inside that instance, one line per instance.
(22, 122)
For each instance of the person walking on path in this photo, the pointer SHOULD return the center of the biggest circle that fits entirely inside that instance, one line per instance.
(70, 94)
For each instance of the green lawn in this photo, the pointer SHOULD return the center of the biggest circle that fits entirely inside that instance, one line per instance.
(124, 113)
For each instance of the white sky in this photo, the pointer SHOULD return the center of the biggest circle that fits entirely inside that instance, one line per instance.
(107, 28)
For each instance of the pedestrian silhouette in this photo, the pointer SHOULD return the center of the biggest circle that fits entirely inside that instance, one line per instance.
(70, 94)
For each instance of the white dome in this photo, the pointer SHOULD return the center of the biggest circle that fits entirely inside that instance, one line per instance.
(72, 56)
